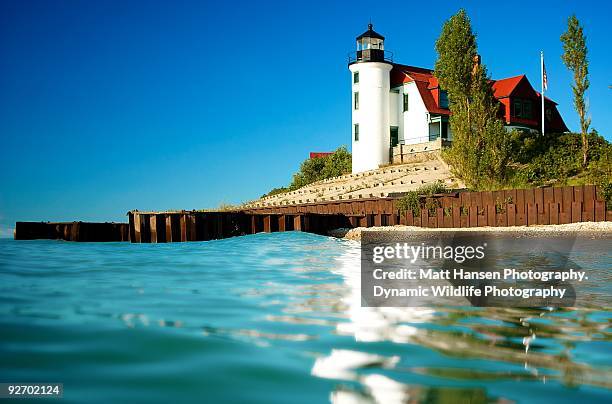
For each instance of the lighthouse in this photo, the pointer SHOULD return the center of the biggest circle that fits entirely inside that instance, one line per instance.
(370, 78)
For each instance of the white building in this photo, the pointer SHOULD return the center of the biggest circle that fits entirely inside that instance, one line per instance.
(398, 107)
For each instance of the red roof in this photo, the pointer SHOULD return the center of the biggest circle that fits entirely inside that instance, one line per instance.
(316, 155)
(425, 82)
(431, 103)
(405, 74)
(504, 87)
(429, 89)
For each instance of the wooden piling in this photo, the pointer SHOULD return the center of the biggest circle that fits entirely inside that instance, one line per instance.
(168, 223)
(267, 224)
(153, 227)
(183, 225)
(137, 229)
(297, 223)
(191, 228)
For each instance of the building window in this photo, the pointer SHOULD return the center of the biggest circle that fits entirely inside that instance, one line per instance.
(527, 109)
(356, 99)
(356, 130)
(443, 99)
(434, 130)
(522, 108)
(517, 108)
(356, 77)
(405, 102)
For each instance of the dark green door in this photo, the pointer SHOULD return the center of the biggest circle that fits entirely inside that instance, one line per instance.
(394, 136)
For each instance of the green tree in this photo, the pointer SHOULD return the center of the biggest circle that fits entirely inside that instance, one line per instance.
(481, 147)
(311, 170)
(575, 58)
(338, 163)
(316, 169)
(496, 141)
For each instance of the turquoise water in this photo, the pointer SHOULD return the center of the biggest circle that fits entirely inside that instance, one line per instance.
(276, 318)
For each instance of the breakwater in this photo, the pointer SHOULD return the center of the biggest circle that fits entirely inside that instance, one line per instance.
(162, 227)
(72, 231)
(515, 207)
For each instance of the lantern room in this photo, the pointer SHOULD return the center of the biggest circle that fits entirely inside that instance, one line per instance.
(370, 48)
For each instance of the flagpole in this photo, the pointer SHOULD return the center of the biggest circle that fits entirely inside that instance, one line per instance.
(542, 93)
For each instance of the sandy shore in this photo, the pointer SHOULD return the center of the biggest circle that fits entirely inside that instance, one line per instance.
(584, 229)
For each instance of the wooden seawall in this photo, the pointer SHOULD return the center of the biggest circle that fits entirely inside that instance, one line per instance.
(72, 231)
(166, 227)
(516, 207)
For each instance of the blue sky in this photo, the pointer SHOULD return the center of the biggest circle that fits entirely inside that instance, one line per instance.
(107, 106)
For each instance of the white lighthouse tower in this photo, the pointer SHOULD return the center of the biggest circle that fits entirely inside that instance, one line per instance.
(370, 102)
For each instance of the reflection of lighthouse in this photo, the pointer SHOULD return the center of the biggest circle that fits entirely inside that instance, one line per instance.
(370, 77)
(400, 325)
(369, 324)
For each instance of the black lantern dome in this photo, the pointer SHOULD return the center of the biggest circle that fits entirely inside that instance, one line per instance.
(370, 48)
(370, 33)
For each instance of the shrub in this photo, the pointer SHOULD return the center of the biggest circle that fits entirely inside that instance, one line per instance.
(500, 205)
(226, 207)
(412, 200)
(600, 167)
(607, 194)
(338, 163)
(432, 205)
(317, 169)
(437, 187)
(557, 158)
(276, 191)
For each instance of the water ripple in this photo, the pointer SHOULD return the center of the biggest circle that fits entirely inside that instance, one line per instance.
(262, 317)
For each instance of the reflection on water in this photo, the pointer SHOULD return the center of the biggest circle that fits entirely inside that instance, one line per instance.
(494, 334)
(277, 318)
